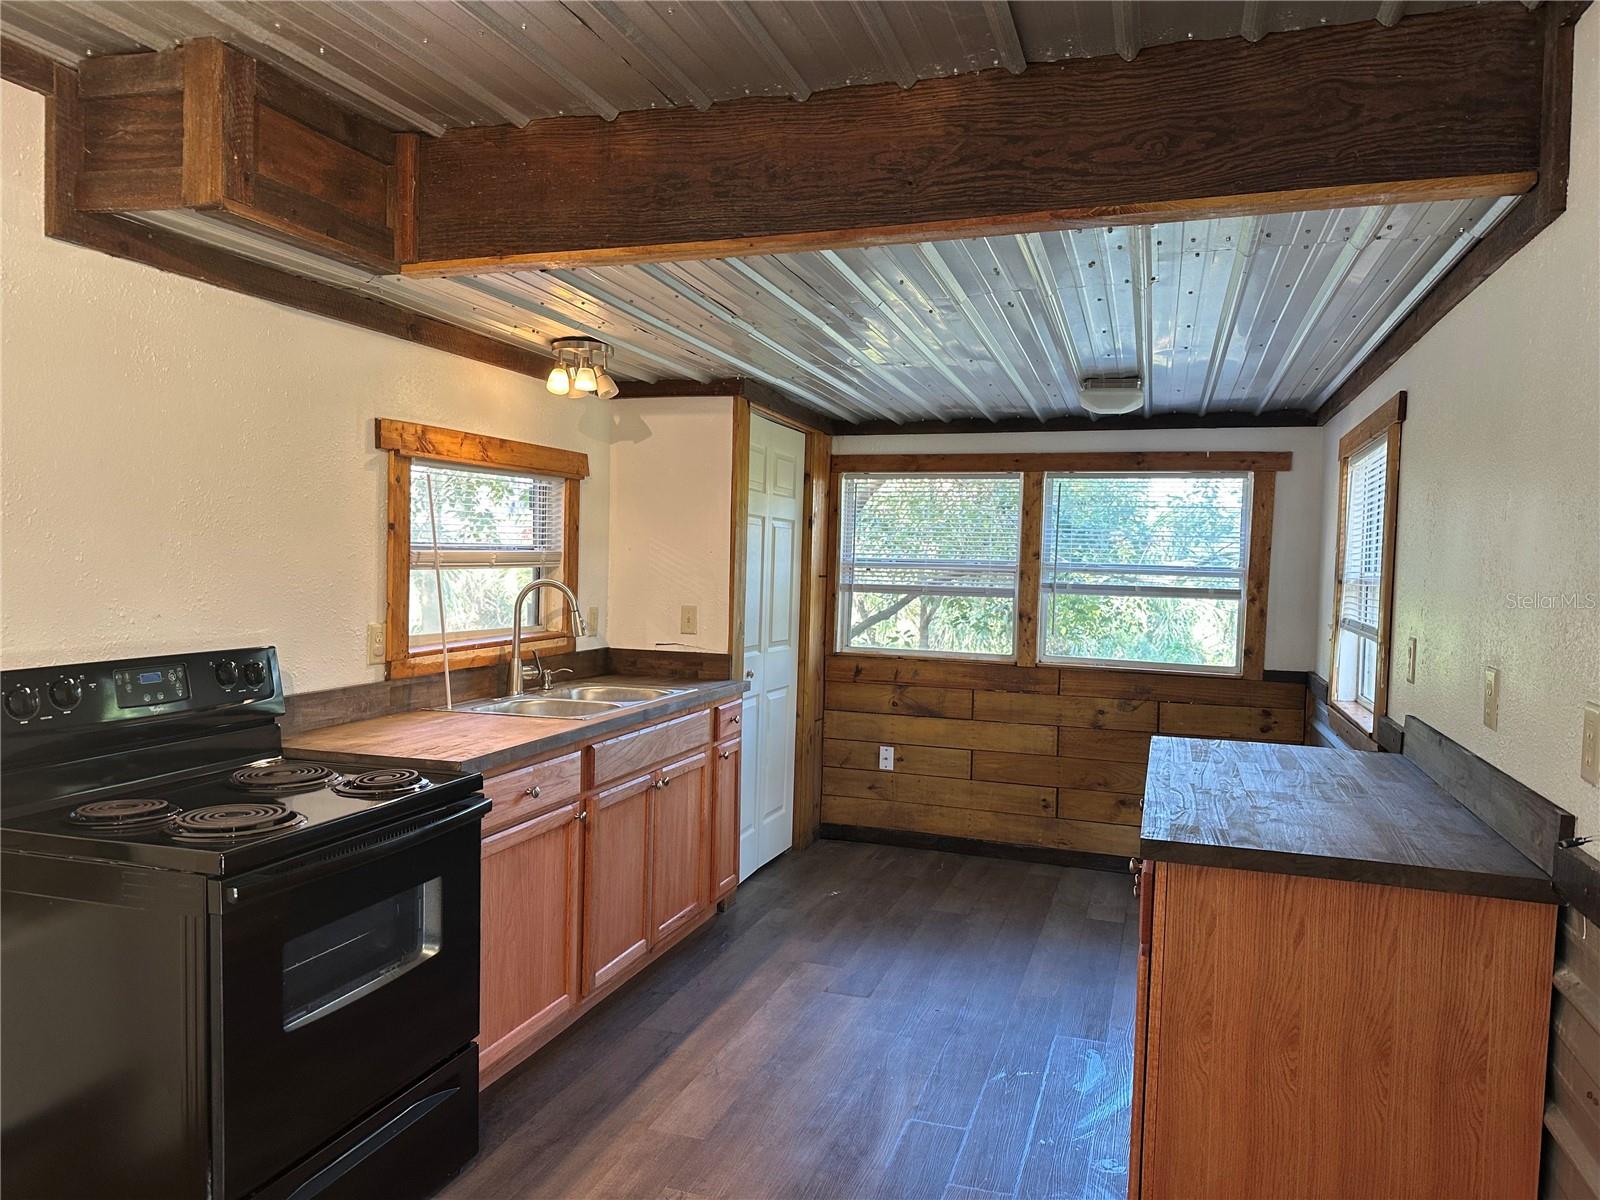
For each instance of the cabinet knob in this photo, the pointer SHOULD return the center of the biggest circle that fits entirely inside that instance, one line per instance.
(737, 720)
(726, 754)
(531, 791)
(583, 814)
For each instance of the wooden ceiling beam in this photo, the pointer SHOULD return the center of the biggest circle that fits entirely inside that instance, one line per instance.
(1532, 214)
(1443, 106)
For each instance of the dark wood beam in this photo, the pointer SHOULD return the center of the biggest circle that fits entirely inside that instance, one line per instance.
(26, 67)
(763, 396)
(166, 251)
(1274, 419)
(1532, 214)
(1444, 105)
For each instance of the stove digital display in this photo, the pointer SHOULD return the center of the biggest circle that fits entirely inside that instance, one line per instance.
(139, 687)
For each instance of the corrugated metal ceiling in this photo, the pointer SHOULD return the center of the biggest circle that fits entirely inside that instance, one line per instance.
(1238, 314)
(429, 66)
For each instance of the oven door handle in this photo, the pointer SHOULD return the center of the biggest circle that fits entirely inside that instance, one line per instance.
(345, 856)
(368, 1146)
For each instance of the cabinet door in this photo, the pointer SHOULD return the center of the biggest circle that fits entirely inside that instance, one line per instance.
(529, 972)
(680, 876)
(725, 819)
(616, 874)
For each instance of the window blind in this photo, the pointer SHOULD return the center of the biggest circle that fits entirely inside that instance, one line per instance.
(1361, 576)
(932, 535)
(1144, 569)
(929, 563)
(486, 517)
(1145, 535)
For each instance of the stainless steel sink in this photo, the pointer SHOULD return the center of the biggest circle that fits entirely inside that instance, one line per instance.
(611, 693)
(542, 706)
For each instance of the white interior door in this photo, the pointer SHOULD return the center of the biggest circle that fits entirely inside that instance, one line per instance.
(771, 642)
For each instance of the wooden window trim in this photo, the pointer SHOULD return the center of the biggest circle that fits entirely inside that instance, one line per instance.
(1262, 466)
(406, 442)
(1384, 422)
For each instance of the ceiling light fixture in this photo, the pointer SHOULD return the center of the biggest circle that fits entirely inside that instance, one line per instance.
(1111, 397)
(581, 368)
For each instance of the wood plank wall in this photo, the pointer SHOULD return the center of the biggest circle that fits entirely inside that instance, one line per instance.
(1571, 1160)
(1050, 757)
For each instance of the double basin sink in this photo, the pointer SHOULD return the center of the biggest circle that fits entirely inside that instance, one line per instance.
(574, 702)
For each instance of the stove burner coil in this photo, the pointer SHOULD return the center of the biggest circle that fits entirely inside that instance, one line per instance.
(219, 822)
(123, 814)
(381, 785)
(282, 778)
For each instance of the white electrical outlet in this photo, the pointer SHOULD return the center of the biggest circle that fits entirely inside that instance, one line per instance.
(375, 647)
(594, 620)
(1589, 763)
(885, 758)
(689, 619)
(1491, 697)
(1411, 660)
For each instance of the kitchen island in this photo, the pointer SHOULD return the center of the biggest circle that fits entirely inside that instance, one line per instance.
(1344, 982)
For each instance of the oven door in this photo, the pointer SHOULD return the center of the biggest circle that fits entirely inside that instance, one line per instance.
(343, 977)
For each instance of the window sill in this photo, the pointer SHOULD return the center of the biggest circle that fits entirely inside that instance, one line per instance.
(477, 654)
(1361, 719)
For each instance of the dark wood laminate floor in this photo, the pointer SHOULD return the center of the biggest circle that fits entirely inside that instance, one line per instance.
(865, 1021)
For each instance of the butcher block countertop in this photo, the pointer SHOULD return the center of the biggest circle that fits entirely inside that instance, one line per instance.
(1326, 812)
(436, 740)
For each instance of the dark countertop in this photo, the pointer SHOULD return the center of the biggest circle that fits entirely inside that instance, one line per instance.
(1326, 812)
(440, 740)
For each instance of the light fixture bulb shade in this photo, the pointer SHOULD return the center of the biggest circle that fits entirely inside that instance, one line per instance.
(559, 383)
(608, 386)
(584, 380)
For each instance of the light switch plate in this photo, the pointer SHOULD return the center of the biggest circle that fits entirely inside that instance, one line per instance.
(689, 619)
(1589, 763)
(885, 758)
(1411, 660)
(375, 646)
(1491, 697)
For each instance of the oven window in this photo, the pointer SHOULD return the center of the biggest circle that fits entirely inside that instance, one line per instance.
(356, 954)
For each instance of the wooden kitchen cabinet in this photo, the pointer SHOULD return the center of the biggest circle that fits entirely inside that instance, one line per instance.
(725, 818)
(1321, 1038)
(679, 847)
(530, 931)
(617, 928)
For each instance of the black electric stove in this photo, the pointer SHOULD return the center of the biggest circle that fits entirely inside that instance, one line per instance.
(242, 975)
(232, 819)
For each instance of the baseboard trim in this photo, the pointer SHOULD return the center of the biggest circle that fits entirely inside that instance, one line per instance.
(955, 845)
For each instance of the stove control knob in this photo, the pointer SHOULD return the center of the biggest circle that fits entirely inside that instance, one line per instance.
(255, 672)
(227, 672)
(22, 702)
(66, 692)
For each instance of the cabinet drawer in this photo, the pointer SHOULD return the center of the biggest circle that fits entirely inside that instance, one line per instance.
(633, 752)
(520, 794)
(730, 719)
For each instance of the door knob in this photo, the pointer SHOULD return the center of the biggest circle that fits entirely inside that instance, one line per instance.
(749, 674)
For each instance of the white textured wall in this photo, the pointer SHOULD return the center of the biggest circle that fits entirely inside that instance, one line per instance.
(1292, 593)
(1500, 494)
(671, 536)
(182, 467)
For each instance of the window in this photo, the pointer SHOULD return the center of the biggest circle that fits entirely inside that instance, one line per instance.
(1368, 471)
(928, 563)
(498, 531)
(1146, 560)
(1144, 569)
(507, 514)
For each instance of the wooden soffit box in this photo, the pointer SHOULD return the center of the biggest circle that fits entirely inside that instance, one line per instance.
(204, 128)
